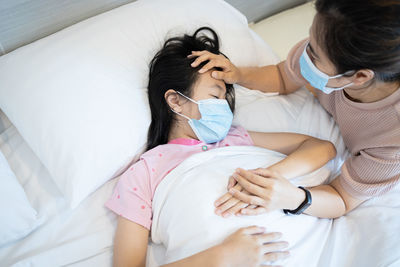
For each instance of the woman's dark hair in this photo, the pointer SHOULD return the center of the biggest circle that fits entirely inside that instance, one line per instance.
(171, 69)
(361, 34)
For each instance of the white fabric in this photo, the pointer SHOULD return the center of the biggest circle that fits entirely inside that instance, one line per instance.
(79, 237)
(37, 183)
(184, 222)
(183, 212)
(86, 84)
(18, 218)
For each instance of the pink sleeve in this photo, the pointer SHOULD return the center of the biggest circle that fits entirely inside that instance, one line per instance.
(292, 65)
(238, 136)
(371, 173)
(132, 195)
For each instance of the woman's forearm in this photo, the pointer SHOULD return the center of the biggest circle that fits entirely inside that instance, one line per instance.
(265, 79)
(209, 257)
(329, 201)
(326, 203)
(309, 156)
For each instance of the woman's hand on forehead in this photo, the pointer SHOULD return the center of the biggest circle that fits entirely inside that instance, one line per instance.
(229, 73)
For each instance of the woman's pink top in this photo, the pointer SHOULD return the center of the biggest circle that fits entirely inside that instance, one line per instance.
(371, 132)
(133, 194)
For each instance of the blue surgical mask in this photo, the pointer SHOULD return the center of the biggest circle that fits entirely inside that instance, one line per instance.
(314, 76)
(215, 122)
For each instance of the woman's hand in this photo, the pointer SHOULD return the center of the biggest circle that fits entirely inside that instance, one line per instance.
(227, 204)
(229, 74)
(266, 189)
(251, 246)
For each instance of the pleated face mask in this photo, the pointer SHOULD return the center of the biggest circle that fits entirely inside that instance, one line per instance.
(314, 76)
(215, 122)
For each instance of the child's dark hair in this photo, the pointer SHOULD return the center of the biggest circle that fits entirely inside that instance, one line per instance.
(170, 69)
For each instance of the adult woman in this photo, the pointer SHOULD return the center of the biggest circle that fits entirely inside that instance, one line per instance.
(352, 61)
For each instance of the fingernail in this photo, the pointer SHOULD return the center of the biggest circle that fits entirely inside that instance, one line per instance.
(192, 64)
(243, 211)
(214, 75)
(218, 212)
(232, 191)
(226, 215)
(201, 70)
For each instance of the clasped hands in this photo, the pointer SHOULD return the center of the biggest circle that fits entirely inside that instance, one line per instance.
(253, 192)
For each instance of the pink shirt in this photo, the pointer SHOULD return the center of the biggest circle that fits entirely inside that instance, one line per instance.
(133, 194)
(371, 132)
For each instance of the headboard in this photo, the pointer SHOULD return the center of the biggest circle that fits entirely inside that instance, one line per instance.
(24, 21)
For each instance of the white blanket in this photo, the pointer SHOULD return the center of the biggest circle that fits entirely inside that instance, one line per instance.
(184, 222)
(183, 213)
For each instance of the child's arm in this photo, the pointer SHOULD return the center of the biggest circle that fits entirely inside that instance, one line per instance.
(130, 244)
(304, 153)
(245, 246)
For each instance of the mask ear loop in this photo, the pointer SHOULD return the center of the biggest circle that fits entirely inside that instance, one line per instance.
(186, 117)
(188, 98)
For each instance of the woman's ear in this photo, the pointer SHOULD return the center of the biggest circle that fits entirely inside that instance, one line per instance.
(172, 99)
(363, 76)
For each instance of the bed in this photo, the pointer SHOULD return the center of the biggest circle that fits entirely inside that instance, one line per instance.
(67, 136)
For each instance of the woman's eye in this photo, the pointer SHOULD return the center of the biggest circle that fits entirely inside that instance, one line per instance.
(215, 96)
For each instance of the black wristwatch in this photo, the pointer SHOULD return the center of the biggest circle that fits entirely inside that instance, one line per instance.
(303, 206)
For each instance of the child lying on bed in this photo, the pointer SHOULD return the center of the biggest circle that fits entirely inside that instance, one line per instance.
(192, 113)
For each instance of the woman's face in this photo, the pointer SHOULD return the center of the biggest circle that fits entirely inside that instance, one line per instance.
(321, 60)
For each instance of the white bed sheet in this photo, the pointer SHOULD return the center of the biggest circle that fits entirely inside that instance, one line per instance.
(81, 237)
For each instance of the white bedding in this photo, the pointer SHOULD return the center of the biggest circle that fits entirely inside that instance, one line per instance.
(184, 221)
(183, 217)
(367, 236)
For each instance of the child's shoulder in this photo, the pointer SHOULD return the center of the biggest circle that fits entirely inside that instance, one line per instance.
(156, 152)
(238, 136)
(237, 130)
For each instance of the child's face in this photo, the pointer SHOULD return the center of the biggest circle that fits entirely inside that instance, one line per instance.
(206, 87)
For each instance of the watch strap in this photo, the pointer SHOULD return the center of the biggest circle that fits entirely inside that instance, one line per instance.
(303, 206)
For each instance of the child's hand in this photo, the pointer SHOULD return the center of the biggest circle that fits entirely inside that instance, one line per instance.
(228, 204)
(229, 74)
(251, 246)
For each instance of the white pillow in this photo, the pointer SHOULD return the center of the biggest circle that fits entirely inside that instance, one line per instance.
(18, 218)
(78, 97)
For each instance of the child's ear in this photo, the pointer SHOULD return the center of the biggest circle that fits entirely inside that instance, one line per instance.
(172, 99)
